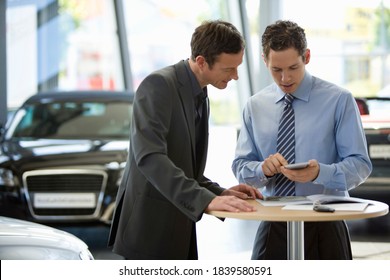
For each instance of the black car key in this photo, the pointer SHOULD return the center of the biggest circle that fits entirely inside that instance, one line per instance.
(323, 208)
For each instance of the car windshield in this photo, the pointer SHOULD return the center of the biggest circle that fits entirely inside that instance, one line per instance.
(71, 120)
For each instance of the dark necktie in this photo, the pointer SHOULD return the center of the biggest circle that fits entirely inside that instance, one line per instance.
(199, 102)
(286, 146)
(200, 124)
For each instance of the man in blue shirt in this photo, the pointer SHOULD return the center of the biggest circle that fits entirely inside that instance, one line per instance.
(328, 134)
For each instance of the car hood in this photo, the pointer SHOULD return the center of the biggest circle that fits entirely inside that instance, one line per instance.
(28, 240)
(65, 151)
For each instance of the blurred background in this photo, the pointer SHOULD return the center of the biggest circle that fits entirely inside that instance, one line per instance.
(65, 45)
(114, 44)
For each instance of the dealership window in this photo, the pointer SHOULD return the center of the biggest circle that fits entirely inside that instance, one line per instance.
(349, 41)
(73, 44)
(61, 45)
(161, 36)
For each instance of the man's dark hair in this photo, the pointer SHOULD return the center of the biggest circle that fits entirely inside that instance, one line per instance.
(213, 38)
(283, 35)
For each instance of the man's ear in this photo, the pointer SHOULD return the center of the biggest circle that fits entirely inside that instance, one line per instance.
(307, 56)
(200, 61)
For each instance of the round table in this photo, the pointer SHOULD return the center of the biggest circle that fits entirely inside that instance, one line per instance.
(295, 220)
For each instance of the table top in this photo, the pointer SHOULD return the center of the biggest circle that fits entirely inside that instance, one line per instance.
(277, 214)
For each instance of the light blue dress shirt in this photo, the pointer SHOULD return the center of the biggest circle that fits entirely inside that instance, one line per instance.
(328, 128)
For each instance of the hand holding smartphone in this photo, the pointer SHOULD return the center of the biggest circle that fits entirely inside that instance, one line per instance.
(297, 165)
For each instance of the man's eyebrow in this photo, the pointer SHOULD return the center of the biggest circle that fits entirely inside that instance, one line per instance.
(229, 67)
(276, 68)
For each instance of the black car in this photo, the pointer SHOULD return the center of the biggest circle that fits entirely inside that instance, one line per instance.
(62, 156)
(375, 114)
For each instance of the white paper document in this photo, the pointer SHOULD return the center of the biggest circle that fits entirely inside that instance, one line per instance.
(336, 207)
(284, 200)
(339, 203)
(331, 199)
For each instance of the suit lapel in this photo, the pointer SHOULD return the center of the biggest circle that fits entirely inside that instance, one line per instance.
(188, 105)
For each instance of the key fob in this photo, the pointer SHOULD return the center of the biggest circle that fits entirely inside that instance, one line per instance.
(323, 208)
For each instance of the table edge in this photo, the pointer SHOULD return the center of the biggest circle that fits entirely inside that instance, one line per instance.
(266, 213)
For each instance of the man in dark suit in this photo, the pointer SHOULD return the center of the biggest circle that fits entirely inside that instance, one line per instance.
(163, 191)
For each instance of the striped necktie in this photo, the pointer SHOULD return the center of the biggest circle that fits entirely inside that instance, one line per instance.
(286, 146)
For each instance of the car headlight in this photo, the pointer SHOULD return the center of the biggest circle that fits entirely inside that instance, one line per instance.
(6, 178)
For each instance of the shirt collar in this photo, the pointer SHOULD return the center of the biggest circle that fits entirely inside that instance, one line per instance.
(303, 91)
(195, 87)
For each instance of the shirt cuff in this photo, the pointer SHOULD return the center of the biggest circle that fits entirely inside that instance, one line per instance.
(328, 178)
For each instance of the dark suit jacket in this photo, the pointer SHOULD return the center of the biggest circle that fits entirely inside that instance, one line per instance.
(162, 194)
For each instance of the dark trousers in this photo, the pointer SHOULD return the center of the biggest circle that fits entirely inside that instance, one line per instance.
(323, 241)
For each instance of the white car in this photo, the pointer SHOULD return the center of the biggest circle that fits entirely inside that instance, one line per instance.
(23, 240)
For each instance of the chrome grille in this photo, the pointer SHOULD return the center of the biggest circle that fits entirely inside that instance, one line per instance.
(64, 192)
(64, 182)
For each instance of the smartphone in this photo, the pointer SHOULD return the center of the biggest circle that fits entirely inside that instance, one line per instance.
(297, 165)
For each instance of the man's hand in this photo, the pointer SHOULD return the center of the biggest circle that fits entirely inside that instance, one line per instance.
(233, 199)
(272, 164)
(243, 191)
(303, 175)
(229, 203)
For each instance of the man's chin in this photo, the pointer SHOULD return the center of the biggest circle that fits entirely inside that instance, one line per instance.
(222, 85)
(287, 89)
